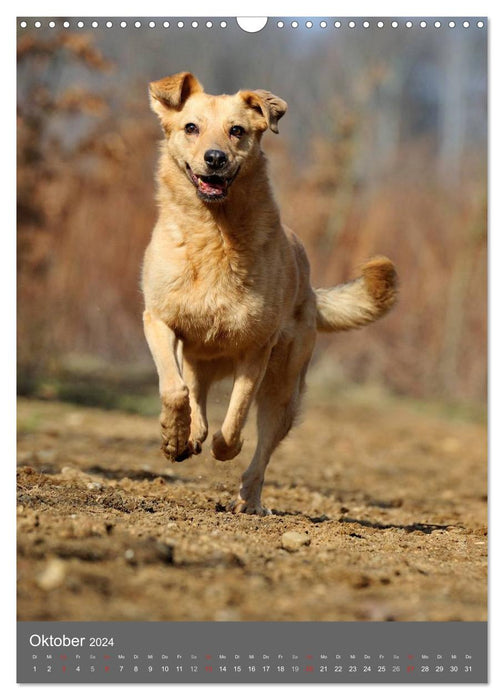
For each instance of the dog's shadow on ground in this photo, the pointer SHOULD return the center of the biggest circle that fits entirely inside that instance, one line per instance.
(133, 474)
(426, 528)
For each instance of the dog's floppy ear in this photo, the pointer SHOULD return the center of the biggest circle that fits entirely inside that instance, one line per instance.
(171, 93)
(267, 105)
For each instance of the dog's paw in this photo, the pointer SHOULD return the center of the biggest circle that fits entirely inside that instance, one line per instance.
(199, 432)
(223, 450)
(177, 451)
(175, 421)
(191, 448)
(241, 506)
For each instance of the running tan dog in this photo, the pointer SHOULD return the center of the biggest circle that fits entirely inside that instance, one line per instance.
(227, 287)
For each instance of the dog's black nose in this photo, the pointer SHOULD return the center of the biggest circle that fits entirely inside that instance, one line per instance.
(215, 159)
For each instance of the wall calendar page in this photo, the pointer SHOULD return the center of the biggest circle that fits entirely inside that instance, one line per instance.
(252, 341)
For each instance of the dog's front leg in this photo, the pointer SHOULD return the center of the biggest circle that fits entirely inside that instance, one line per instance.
(249, 372)
(176, 412)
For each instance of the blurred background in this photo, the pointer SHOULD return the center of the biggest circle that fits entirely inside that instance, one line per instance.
(382, 151)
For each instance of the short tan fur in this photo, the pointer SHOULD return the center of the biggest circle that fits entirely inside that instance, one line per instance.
(227, 287)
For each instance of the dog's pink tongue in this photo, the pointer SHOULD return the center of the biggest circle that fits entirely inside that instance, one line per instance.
(213, 188)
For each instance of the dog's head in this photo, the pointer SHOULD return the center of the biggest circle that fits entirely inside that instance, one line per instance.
(213, 138)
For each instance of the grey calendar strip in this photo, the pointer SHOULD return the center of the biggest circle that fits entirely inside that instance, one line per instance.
(252, 652)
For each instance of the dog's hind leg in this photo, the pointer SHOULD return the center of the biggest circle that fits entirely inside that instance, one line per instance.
(277, 405)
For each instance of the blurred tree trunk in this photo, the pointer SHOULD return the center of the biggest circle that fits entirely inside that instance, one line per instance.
(453, 113)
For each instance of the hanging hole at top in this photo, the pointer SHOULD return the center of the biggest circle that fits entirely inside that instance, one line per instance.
(252, 24)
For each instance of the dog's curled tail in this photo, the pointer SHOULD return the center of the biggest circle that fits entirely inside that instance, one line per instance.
(360, 301)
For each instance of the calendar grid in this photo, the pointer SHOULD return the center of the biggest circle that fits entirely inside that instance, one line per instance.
(254, 652)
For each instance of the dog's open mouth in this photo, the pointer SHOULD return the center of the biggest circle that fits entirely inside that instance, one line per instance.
(210, 187)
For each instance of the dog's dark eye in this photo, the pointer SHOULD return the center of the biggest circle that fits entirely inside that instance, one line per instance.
(237, 131)
(191, 128)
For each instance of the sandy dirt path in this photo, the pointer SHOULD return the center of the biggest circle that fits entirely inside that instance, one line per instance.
(390, 503)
